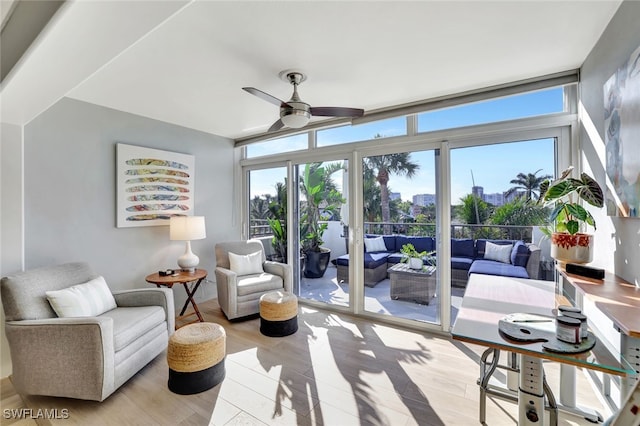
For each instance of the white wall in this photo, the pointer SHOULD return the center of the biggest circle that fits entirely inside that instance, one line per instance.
(617, 240)
(70, 195)
(11, 241)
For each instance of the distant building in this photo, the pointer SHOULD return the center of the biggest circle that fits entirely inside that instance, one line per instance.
(423, 200)
(497, 199)
(478, 191)
(395, 196)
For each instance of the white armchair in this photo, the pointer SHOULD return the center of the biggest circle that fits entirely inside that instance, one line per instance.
(239, 293)
(80, 357)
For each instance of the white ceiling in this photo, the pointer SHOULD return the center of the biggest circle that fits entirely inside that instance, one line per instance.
(184, 62)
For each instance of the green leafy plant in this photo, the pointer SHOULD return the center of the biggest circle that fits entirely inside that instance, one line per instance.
(564, 193)
(319, 193)
(279, 240)
(409, 251)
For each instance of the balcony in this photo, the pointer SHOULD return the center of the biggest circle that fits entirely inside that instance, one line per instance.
(377, 299)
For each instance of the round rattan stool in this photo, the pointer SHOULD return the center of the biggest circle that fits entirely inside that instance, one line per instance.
(278, 314)
(196, 356)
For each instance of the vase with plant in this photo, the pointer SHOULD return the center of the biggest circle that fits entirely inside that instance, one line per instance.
(319, 193)
(569, 219)
(416, 259)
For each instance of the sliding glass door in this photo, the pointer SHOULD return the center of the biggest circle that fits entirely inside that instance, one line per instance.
(322, 214)
(400, 197)
(494, 189)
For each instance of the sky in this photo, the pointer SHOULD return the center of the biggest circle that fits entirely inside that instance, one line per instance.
(493, 166)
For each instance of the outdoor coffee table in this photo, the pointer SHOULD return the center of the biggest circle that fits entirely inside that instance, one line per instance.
(417, 285)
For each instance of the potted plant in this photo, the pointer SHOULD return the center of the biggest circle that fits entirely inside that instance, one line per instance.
(569, 219)
(416, 259)
(315, 185)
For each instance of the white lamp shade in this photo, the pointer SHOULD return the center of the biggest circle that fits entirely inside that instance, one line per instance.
(187, 228)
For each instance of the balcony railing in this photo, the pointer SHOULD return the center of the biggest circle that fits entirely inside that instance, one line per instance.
(260, 228)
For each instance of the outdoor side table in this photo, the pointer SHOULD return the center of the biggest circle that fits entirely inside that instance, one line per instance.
(410, 284)
(184, 278)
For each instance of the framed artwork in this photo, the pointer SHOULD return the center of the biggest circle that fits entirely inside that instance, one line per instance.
(622, 138)
(152, 185)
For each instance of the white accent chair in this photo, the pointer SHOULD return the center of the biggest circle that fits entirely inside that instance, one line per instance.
(239, 295)
(80, 357)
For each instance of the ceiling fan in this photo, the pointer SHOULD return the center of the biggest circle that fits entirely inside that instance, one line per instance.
(295, 113)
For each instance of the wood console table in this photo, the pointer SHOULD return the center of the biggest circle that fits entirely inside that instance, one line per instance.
(619, 301)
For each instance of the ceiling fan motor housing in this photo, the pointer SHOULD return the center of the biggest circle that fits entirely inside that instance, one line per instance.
(297, 116)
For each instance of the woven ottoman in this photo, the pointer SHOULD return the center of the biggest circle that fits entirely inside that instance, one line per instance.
(196, 356)
(278, 314)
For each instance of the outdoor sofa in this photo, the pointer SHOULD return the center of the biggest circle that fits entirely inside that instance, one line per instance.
(468, 256)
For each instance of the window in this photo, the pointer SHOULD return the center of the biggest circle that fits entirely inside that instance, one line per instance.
(508, 108)
(485, 178)
(278, 146)
(346, 134)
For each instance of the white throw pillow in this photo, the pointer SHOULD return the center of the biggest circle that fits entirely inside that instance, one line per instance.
(82, 300)
(375, 244)
(246, 264)
(498, 252)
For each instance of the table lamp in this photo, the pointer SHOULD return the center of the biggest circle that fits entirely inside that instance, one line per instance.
(187, 228)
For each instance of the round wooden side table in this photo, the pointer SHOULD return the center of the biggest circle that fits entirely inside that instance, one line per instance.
(184, 278)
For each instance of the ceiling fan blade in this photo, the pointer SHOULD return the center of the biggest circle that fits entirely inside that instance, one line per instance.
(276, 126)
(265, 96)
(336, 112)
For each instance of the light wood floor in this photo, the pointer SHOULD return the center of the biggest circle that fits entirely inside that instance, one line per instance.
(336, 370)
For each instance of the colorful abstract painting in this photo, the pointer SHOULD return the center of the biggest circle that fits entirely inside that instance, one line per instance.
(622, 138)
(153, 185)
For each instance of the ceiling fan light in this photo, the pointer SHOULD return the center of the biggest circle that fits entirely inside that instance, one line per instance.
(295, 119)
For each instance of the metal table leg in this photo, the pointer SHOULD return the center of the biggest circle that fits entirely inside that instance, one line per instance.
(487, 369)
(531, 392)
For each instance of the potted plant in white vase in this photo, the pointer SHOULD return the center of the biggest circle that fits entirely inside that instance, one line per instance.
(416, 259)
(569, 241)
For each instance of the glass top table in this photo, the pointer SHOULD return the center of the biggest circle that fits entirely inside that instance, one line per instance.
(488, 299)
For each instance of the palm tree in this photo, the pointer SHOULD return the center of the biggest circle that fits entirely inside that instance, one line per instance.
(382, 167)
(529, 183)
(259, 207)
(474, 210)
(371, 197)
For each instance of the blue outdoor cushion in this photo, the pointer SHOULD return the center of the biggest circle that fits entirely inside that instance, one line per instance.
(371, 260)
(520, 254)
(463, 263)
(422, 243)
(390, 242)
(394, 258)
(490, 267)
(463, 247)
(400, 241)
